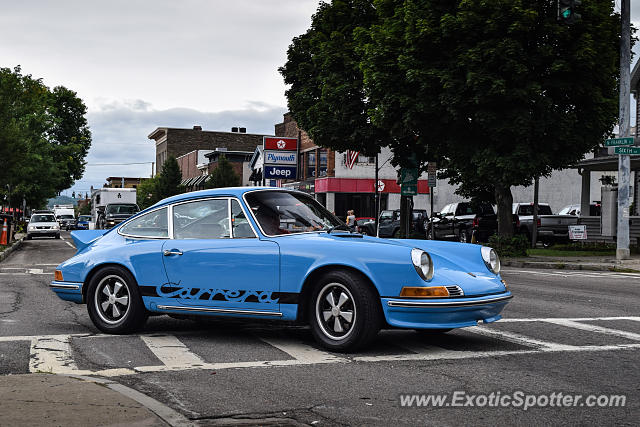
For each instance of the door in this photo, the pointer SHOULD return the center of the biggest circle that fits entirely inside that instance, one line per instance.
(215, 260)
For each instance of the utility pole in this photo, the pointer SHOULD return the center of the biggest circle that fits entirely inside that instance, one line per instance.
(624, 161)
(377, 197)
(534, 232)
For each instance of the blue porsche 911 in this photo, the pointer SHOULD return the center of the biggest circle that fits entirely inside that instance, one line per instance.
(266, 253)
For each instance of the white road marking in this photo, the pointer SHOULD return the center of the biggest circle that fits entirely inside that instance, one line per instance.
(53, 355)
(576, 273)
(34, 271)
(301, 352)
(574, 319)
(171, 351)
(595, 328)
(70, 245)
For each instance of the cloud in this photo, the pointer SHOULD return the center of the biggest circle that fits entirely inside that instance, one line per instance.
(120, 132)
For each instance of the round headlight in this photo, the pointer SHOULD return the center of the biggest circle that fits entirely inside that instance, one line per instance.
(491, 259)
(422, 263)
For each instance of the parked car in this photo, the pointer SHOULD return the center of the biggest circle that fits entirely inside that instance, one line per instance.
(261, 253)
(594, 210)
(551, 228)
(459, 221)
(115, 213)
(82, 222)
(389, 223)
(360, 221)
(43, 224)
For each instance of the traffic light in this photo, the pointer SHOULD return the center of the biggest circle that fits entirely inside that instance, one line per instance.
(567, 11)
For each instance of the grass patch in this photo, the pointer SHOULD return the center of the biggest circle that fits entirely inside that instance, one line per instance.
(569, 252)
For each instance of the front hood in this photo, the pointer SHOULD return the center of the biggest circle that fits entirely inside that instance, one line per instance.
(42, 224)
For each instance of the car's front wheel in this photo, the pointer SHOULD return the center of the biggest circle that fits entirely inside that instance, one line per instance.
(114, 302)
(344, 312)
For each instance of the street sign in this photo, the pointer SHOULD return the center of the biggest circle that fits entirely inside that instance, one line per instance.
(432, 179)
(409, 190)
(627, 150)
(615, 142)
(279, 172)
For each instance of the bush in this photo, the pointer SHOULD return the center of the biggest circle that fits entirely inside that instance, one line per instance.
(586, 246)
(509, 246)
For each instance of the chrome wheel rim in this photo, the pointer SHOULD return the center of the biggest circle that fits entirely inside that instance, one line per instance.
(335, 311)
(112, 299)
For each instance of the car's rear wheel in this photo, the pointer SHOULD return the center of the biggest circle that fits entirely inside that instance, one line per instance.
(58, 236)
(344, 312)
(114, 302)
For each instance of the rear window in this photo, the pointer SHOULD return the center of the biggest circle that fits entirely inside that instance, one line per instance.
(122, 209)
(525, 210)
(65, 216)
(474, 209)
(84, 218)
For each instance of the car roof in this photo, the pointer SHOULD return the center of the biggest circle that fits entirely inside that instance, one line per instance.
(225, 191)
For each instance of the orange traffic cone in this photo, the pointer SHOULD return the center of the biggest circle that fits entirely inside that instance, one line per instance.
(3, 237)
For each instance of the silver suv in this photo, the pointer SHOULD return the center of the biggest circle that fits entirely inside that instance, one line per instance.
(43, 224)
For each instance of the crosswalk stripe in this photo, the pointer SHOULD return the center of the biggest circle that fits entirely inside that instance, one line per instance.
(171, 351)
(53, 355)
(518, 339)
(595, 328)
(301, 352)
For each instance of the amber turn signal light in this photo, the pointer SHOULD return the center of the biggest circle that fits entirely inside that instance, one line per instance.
(504, 282)
(420, 292)
(58, 275)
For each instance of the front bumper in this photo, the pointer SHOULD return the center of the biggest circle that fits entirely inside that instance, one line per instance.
(444, 313)
(68, 291)
(43, 232)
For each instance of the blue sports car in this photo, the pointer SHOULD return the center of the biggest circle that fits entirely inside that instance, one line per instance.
(266, 253)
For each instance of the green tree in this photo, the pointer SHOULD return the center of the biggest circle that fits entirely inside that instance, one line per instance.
(326, 95)
(496, 90)
(223, 175)
(169, 179)
(69, 134)
(147, 193)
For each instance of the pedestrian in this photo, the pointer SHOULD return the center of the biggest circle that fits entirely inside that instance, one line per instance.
(351, 218)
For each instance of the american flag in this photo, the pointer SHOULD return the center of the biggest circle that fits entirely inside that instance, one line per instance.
(351, 158)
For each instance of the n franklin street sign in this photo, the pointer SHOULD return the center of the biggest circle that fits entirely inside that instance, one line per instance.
(627, 150)
(616, 142)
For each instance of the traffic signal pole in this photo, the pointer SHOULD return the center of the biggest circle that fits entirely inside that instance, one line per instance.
(624, 161)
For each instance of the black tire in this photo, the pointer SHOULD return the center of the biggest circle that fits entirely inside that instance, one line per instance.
(28, 237)
(58, 236)
(132, 315)
(350, 293)
(396, 234)
(364, 231)
(464, 236)
(429, 234)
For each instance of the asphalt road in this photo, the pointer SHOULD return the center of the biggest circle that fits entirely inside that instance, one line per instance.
(569, 332)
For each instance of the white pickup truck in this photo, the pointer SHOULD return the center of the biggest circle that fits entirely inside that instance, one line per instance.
(551, 228)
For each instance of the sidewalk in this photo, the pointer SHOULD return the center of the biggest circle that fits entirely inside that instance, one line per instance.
(46, 399)
(593, 263)
(19, 237)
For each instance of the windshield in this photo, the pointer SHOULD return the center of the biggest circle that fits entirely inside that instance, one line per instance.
(43, 218)
(528, 210)
(280, 212)
(84, 218)
(65, 216)
(122, 209)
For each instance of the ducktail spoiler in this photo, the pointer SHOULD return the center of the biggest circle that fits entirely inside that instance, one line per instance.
(84, 238)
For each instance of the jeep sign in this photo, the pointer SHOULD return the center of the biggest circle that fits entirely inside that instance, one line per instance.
(279, 172)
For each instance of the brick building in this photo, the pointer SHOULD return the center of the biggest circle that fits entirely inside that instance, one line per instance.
(177, 142)
(117, 182)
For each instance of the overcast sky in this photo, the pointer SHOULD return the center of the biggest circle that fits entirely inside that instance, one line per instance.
(140, 64)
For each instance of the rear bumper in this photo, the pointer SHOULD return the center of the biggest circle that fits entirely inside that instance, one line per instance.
(443, 313)
(68, 291)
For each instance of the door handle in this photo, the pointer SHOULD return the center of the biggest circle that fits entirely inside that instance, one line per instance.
(171, 252)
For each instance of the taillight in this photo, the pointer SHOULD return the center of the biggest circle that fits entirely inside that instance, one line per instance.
(538, 223)
(476, 221)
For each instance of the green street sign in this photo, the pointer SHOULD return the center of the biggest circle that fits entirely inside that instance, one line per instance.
(627, 150)
(409, 190)
(408, 176)
(615, 142)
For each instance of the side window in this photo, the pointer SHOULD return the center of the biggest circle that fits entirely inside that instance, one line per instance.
(449, 210)
(205, 219)
(152, 224)
(239, 222)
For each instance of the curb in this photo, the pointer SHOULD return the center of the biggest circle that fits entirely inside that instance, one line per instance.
(560, 265)
(10, 249)
(165, 413)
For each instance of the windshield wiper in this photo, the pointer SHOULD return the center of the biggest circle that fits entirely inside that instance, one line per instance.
(339, 227)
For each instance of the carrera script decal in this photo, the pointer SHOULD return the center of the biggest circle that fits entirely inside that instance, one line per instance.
(176, 290)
